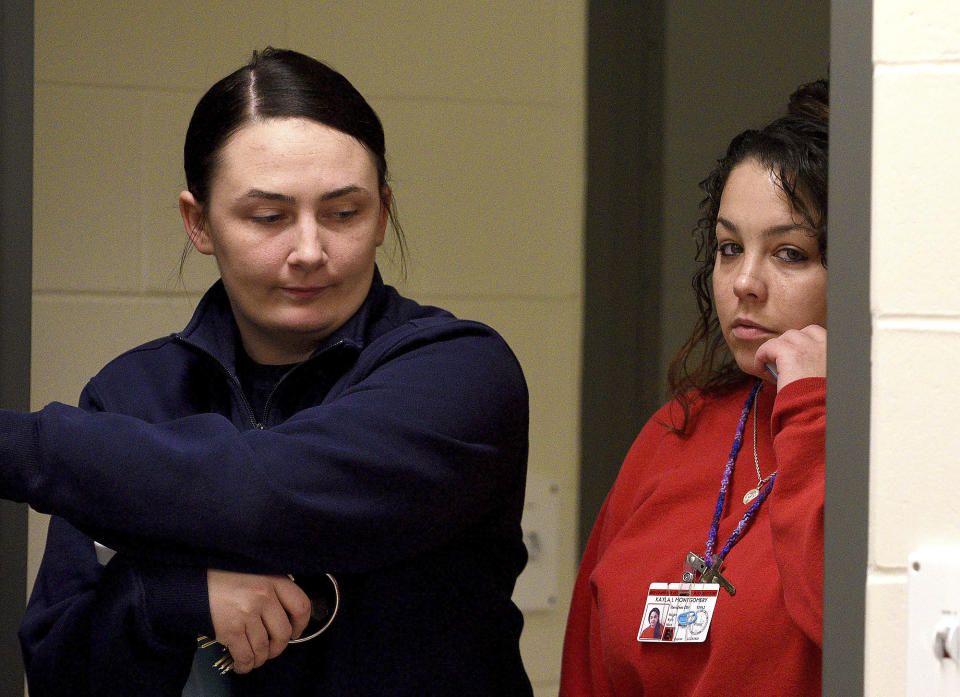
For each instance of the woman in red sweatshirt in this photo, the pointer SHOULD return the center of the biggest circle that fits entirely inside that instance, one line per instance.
(727, 544)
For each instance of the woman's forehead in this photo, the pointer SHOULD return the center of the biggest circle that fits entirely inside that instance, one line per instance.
(276, 154)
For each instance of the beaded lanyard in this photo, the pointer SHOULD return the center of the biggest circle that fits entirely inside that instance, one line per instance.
(710, 562)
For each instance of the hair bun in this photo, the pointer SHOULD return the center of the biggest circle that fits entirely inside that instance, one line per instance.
(811, 101)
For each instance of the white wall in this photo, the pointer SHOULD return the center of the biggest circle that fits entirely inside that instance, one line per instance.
(483, 107)
(915, 304)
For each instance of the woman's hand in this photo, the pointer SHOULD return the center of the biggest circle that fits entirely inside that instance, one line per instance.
(255, 616)
(797, 353)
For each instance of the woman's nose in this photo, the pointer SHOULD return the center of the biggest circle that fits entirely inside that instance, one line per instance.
(749, 283)
(307, 249)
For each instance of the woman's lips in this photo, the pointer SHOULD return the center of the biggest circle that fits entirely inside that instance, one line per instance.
(304, 292)
(748, 331)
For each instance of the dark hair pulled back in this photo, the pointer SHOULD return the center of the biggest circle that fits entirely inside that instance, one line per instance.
(794, 148)
(279, 83)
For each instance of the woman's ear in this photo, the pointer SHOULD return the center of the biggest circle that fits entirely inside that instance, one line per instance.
(194, 222)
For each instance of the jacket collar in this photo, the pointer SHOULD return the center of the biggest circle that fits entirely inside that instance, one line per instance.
(213, 329)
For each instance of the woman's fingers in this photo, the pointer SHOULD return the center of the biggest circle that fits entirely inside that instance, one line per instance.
(260, 638)
(242, 652)
(250, 615)
(795, 354)
(296, 605)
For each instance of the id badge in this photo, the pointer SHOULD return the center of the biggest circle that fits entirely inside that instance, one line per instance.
(678, 612)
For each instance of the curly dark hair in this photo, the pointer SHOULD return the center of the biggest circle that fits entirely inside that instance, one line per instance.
(794, 148)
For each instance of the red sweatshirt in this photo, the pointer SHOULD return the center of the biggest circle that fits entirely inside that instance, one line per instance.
(765, 640)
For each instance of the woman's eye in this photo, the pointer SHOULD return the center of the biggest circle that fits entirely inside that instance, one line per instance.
(267, 219)
(344, 214)
(729, 249)
(791, 254)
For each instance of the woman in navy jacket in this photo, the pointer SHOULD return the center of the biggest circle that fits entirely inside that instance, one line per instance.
(307, 421)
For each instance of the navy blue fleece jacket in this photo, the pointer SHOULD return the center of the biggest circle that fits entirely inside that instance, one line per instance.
(393, 458)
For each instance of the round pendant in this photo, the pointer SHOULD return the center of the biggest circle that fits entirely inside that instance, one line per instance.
(751, 495)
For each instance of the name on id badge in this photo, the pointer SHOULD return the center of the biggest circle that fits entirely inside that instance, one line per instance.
(678, 612)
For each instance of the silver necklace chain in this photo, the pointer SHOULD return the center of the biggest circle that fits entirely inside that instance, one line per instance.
(761, 480)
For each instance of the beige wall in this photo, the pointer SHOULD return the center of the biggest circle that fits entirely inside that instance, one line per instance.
(483, 106)
(915, 304)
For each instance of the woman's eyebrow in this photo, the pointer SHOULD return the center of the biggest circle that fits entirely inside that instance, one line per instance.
(772, 230)
(274, 196)
(268, 195)
(343, 191)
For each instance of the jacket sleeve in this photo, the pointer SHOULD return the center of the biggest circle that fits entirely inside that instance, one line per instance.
(124, 628)
(796, 502)
(426, 442)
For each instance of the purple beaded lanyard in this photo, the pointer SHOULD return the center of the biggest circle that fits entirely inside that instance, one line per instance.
(709, 566)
